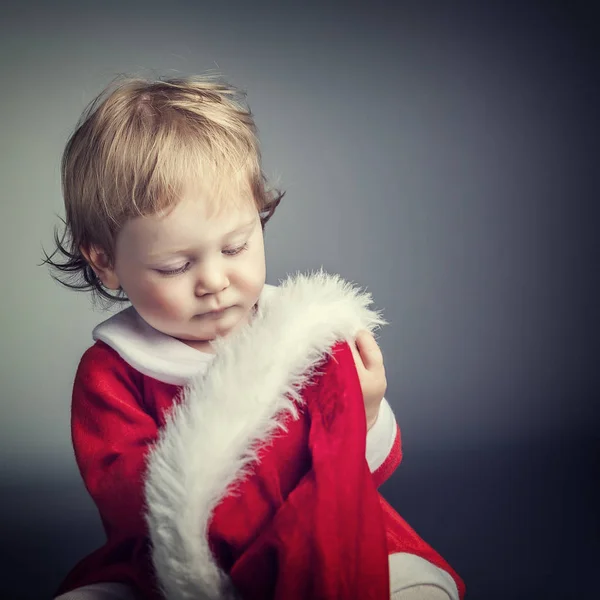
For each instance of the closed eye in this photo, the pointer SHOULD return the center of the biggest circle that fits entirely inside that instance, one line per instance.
(184, 268)
(178, 271)
(235, 251)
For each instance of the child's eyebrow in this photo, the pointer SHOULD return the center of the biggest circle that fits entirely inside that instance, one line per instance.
(239, 229)
(242, 227)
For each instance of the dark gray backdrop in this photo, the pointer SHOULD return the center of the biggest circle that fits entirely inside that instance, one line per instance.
(442, 154)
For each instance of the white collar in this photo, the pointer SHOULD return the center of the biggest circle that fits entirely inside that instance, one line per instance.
(153, 353)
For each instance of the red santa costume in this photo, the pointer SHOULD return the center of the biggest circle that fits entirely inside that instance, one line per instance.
(248, 473)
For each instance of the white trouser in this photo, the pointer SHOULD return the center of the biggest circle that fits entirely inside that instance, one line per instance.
(414, 578)
(100, 591)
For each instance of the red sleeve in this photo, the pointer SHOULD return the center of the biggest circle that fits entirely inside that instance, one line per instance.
(111, 433)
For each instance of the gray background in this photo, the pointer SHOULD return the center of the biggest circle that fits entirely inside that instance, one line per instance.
(444, 155)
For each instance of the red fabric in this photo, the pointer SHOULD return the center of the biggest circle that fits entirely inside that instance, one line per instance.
(325, 541)
(299, 512)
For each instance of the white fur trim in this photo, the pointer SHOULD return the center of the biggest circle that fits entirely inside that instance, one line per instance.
(209, 442)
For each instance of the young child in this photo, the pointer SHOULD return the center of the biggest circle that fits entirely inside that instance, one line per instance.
(231, 433)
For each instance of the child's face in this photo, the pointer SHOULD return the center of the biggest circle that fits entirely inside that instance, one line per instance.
(178, 268)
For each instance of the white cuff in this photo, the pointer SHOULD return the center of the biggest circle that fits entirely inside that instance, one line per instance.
(381, 437)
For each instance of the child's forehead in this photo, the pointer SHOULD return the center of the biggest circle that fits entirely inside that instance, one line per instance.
(191, 218)
(222, 206)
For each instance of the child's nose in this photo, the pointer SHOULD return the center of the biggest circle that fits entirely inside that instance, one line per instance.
(211, 280)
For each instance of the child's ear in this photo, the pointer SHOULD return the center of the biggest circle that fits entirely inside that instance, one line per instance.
(102, 266)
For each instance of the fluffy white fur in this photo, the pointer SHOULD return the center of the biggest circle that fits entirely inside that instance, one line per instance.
(209, 442)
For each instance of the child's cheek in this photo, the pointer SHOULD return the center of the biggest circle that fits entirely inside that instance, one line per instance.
(166, 299)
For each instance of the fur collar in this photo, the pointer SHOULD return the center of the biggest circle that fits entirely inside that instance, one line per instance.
(227, 411)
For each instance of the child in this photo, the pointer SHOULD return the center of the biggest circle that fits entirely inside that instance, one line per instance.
(221, 424)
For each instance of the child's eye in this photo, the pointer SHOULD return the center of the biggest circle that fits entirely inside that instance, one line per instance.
(182, 269)
(235, 251)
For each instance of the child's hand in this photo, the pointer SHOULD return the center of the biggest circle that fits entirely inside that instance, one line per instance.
(371, 372)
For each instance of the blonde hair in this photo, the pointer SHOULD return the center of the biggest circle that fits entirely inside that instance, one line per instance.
(135, 150)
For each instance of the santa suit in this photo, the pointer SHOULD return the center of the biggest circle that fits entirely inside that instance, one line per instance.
(242, 474)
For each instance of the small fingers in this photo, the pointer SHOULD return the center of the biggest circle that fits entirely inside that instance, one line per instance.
(358, 361)
(369, 350)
